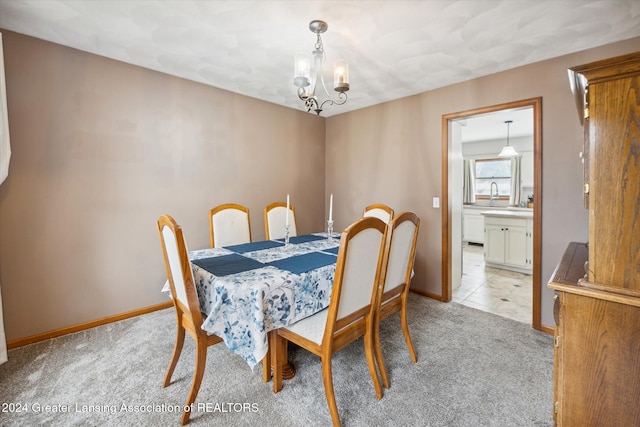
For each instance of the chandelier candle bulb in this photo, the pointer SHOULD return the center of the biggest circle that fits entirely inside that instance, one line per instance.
(302, 70)
(341, 76)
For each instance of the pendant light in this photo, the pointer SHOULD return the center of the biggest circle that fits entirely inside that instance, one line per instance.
(507, 150)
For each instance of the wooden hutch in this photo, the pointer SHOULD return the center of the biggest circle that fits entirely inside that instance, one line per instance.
(597, 308)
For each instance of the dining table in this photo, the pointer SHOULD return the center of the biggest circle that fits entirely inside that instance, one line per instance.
(247, 290)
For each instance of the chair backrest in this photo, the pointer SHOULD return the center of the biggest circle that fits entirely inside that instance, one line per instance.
(379, 210)
(400, 250)
(357, 272)
(275, 218)
(229, 224)
(178, 267)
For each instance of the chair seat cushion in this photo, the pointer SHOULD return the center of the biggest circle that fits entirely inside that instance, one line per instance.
(312, 327)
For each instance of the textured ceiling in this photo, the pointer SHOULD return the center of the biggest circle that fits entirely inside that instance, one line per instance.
(492, 126)
(394, 48)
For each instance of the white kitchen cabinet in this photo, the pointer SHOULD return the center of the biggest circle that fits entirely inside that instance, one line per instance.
(508, 242)
(472, 226)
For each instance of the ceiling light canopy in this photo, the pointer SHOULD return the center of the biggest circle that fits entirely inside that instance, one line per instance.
(308, 75)
(507, 150)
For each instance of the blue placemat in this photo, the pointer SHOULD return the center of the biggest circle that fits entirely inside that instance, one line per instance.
(332, 250)
(303, 239)
(303, 263)
(254, 246)
(227, 264)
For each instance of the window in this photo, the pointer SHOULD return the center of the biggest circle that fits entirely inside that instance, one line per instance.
(493, 170)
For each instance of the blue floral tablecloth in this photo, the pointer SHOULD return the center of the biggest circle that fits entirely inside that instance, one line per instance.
(248, 290)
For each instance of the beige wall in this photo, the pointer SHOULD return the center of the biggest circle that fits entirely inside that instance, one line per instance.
(391, 153)
(101, 149)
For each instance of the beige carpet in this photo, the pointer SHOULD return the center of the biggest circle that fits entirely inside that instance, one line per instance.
(474, 369)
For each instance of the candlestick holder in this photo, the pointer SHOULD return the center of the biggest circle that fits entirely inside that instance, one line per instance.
(330, 230)
(286, 235)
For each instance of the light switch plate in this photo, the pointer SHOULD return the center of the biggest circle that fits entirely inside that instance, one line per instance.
(436, 202)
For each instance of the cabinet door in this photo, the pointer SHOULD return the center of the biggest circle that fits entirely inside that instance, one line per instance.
(600, 363)
(614, 182)
(494, 243)
(515, 243)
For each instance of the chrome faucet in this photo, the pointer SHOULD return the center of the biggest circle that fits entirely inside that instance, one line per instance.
(491, 192)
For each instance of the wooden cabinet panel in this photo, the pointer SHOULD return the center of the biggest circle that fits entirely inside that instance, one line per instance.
(600, 362)
(614, 183)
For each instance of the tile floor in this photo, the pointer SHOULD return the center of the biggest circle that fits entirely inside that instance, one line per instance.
(502, 292)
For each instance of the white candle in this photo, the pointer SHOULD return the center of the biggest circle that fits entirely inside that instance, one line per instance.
(331, 208)
(286, 223)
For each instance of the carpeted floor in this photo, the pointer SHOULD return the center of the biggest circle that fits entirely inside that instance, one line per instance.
(474, 369)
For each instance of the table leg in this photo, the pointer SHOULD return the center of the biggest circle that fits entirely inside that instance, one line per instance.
(288, 371)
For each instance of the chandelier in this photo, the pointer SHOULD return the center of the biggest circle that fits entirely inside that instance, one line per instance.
(308, 75)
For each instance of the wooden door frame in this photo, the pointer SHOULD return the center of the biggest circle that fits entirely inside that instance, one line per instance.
(536, 104)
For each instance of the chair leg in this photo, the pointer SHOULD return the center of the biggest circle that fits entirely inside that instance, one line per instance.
(368, 352)
(405, 331)
(327, 379)
(198, 373)
(177, 349)
(379, 358)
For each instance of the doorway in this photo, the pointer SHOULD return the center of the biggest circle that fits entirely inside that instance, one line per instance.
(452, 246)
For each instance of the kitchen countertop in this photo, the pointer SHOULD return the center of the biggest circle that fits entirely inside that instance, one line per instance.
(509, 213)
(497, 208)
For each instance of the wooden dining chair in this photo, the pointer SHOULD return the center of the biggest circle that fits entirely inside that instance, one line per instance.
(275, 218)
(185, 301)
(379, 210)
(397, 268)
(229, 224)
(187, 307)
(350, 314)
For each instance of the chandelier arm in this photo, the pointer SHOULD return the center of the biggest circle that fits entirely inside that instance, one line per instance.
(312, 104)
(342, 96)
(321, 77)
(301, 92)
